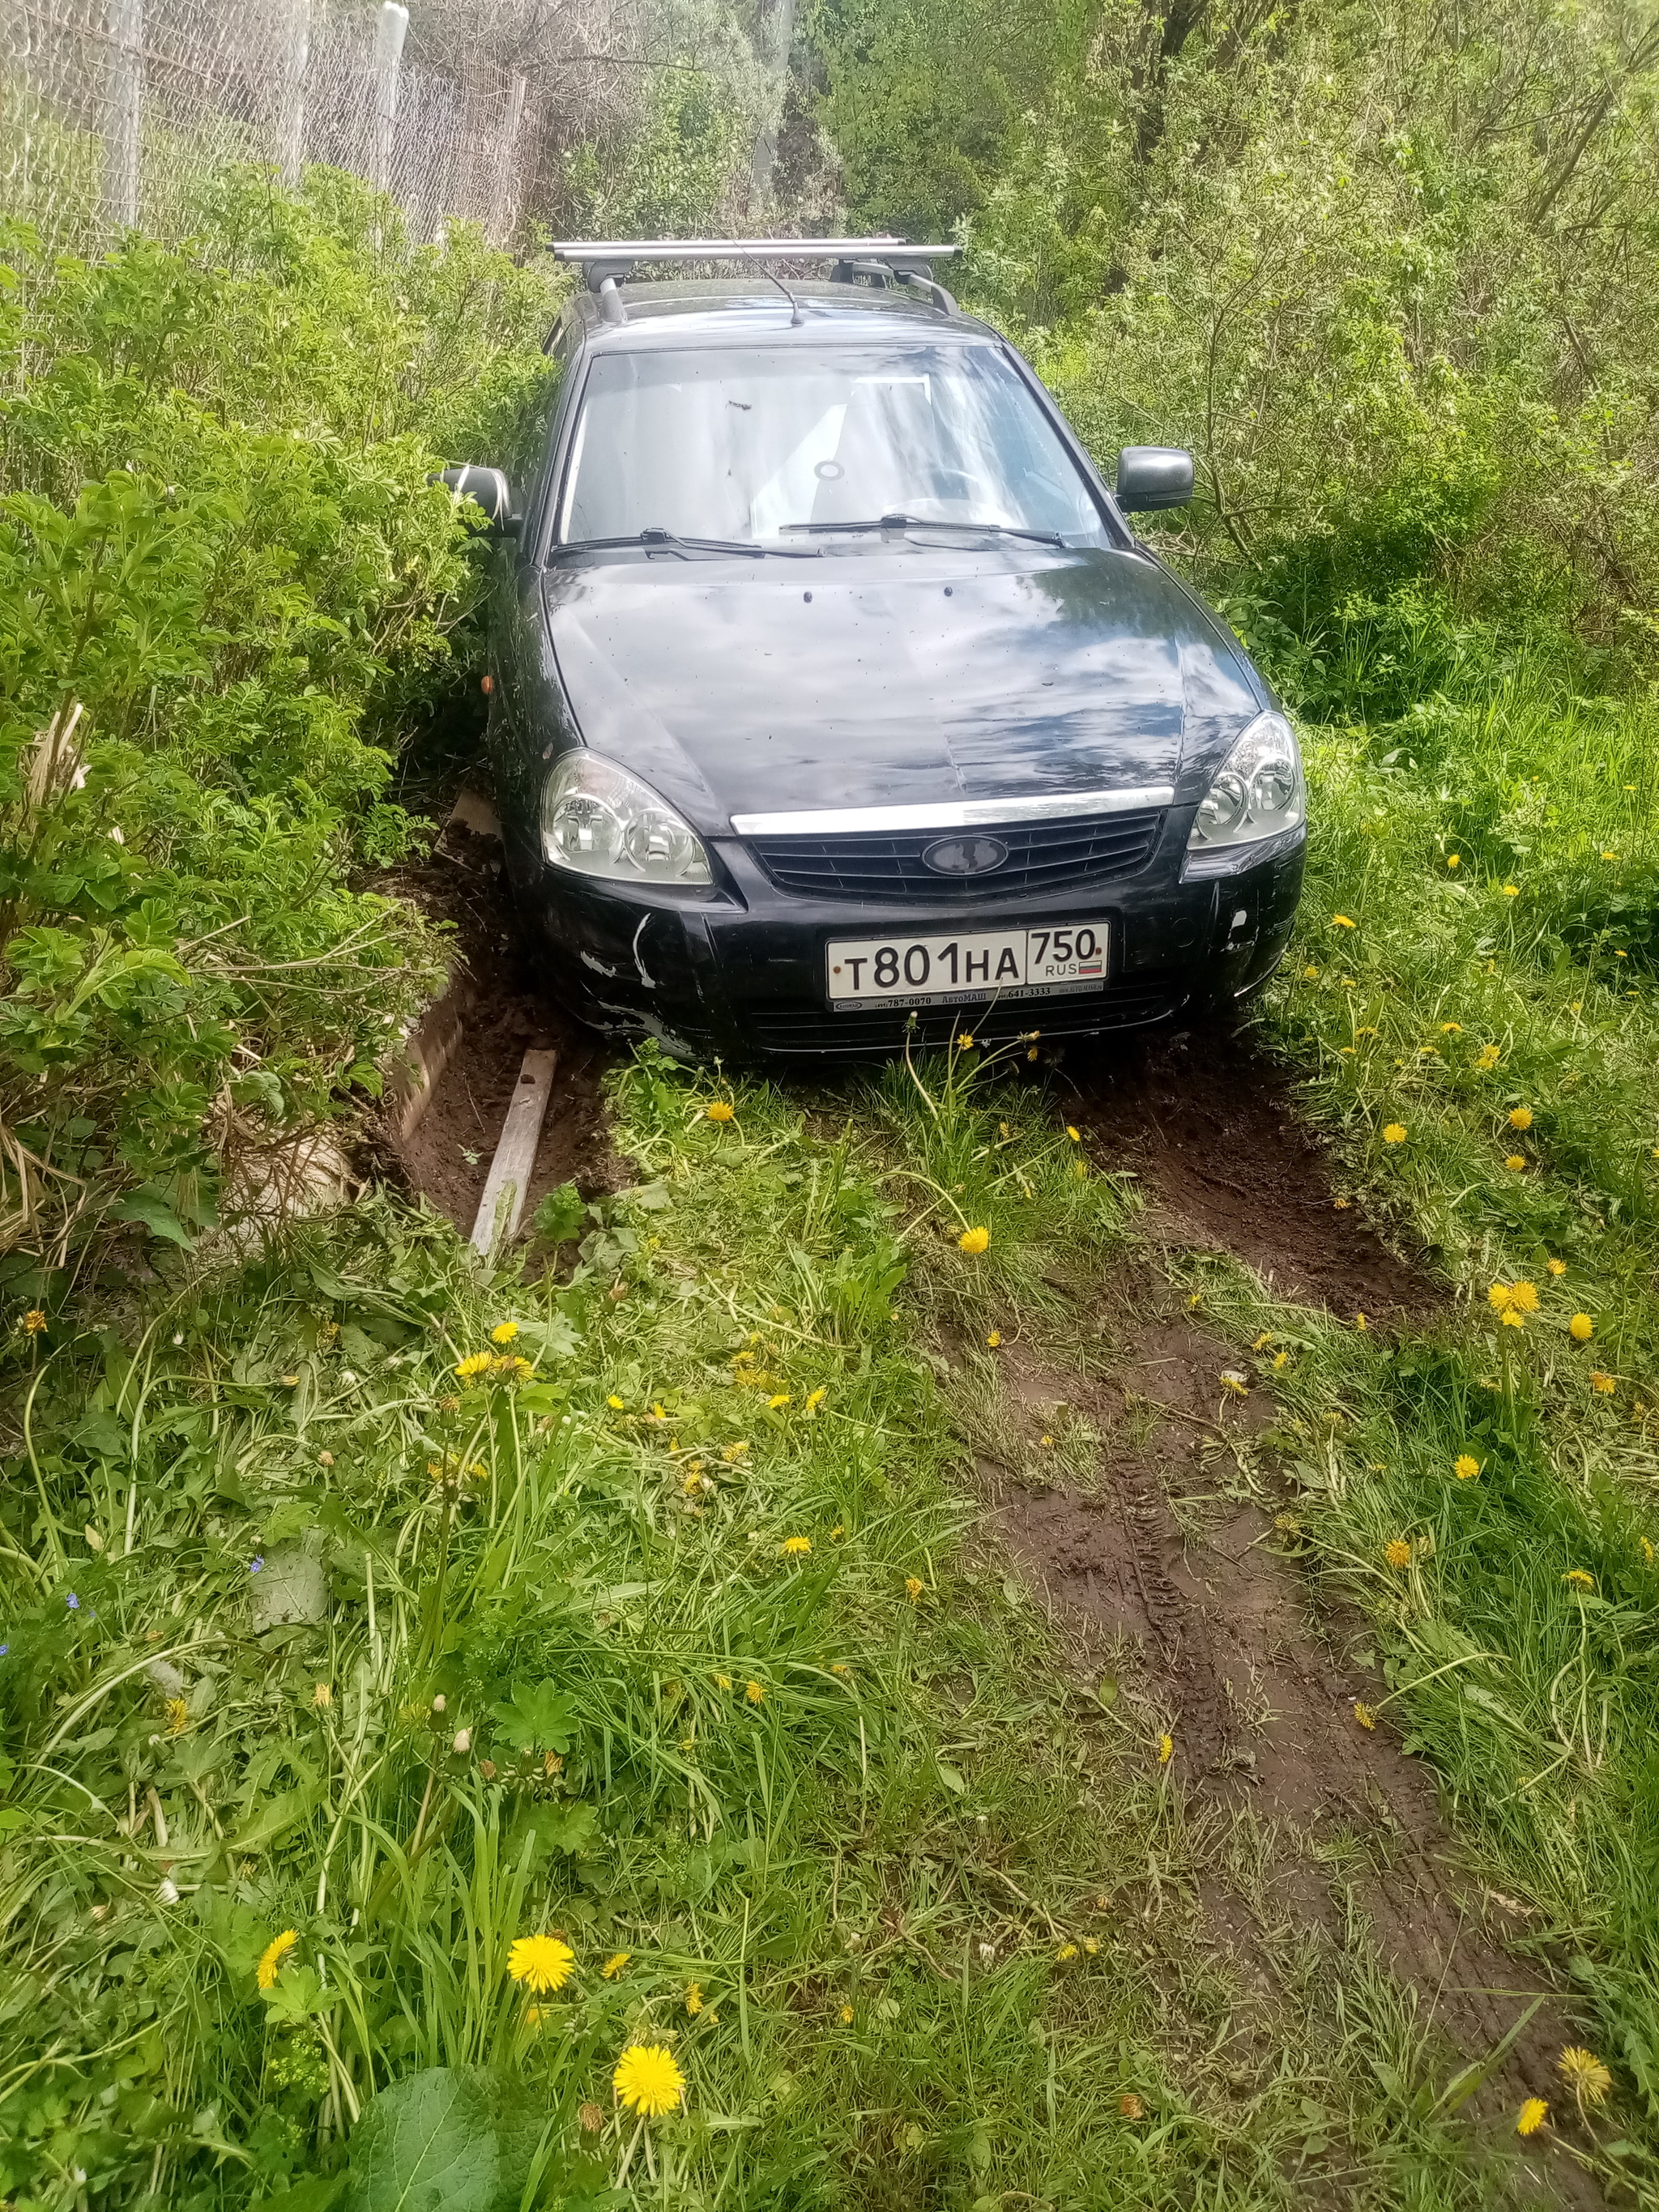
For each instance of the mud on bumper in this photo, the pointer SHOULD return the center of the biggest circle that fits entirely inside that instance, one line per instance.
(743, 974)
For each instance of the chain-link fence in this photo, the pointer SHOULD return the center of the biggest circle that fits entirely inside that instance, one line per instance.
(111, 110)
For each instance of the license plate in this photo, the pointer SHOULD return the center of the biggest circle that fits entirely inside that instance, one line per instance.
(964, 969)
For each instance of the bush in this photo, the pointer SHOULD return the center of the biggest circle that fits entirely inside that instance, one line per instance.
(228, 580)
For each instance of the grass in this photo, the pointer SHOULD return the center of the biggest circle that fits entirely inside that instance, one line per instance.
(917, 1914)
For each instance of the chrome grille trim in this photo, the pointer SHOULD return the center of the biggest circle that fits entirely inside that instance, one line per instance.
(953, 814)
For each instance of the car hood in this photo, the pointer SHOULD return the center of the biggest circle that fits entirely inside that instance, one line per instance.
(896, 678)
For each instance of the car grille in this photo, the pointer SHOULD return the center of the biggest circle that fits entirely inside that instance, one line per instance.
(1042, 856)
(875, 1030)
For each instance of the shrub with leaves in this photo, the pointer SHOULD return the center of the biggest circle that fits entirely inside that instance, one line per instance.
(226, 578)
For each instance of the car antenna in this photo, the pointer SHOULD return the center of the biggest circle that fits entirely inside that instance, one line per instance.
(795, 316)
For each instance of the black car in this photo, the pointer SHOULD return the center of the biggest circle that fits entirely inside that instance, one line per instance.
(832, 699)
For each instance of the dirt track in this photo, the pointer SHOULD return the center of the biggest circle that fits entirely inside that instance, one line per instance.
(1157, 1563)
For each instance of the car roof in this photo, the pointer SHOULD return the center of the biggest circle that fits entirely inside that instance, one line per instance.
(747, 307)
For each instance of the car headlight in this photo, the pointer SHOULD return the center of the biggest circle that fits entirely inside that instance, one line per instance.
(1256, 803)
(601, 821)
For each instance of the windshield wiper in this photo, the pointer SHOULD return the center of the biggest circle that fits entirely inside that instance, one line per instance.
(652, 536)
(932, 522)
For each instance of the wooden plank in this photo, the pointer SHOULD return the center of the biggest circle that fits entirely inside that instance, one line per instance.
(501, 1206)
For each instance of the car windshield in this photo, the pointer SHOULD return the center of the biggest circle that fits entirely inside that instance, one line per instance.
(762, 446)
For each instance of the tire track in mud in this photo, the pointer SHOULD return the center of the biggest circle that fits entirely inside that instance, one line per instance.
(1177, 1557)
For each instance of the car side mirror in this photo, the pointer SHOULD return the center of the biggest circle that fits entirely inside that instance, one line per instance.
(487, 488)
(1153, 476)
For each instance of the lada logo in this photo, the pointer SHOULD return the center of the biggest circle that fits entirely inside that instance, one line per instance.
(964, 856)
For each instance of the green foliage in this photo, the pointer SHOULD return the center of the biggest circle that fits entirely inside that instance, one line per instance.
(227, 579)
(1390, 276)
(670, 178)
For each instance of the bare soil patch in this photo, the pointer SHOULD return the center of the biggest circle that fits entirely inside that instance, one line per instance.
(1175, 1565)
(1212, 1123)
(447, 1157)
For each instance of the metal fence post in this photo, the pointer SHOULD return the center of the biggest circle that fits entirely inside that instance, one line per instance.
(507, 195)
(291, 114)
(388, 63)
(783, 28)
(127, 94)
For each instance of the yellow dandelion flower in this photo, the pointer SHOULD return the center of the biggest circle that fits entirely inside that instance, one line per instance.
(1584, 2074)
(1511, 890)
(1281, 1359)
(1364, 1715)
(1454, 859)
(1076, 1135)
(1090, 1947)
(1047, 1443)
(614, 1965)
(1523, 1296)
(33, 1322)
(1576, 1578)
(476, 1363)
(719, 1110)
(693, 1481)
(694, 1998)
(723, 1681)
(1487, 1058)
(796, 1547)
(615, 1404)
(1341, 1204)
(1647, 1549)
(1394, 1132)
(504, 1331)
(1451, 1029)
(322, 1697)
(1609, 856)
(994, 1339)
(783, 1399)
(271, 1957)
(1514, 1319)
(1397, 1551)
(964, 1042)
(1360, 1321)
(1601, 1382)
(1066, 1951)
(542, 1962)
(815, 1398)
(1165, 1749)
(1342, 921)
(1556, 1266)
(178, 1716)
(842, 1669)
(1310, 973)
(647, 2080)
(755, 1692)
(291, 1382)
(1582, 1328)
(912, 1586)
(974, 1241)
(1531, 2116)
(1514, 1163)
(1520, 1117)
(846, 2015)
(838, 1532)
(1465, 1467)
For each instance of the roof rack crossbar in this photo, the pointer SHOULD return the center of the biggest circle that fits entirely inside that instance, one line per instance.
(588, 251)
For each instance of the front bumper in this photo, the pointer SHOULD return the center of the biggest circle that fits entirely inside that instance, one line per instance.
(742, 974)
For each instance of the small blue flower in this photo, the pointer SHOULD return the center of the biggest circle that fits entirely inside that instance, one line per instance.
(73, 1603)
(257, 1563)
(4, 1647)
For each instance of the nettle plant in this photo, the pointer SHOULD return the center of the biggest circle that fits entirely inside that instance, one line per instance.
(227, 581)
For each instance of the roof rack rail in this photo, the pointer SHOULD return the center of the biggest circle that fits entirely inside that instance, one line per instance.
(607, 263)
